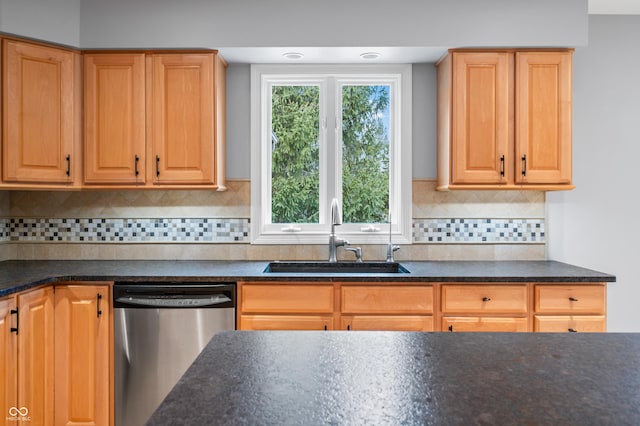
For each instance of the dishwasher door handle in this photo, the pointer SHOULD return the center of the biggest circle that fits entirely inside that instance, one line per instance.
(161, 302)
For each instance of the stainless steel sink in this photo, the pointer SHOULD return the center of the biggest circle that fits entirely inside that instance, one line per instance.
(336, 268)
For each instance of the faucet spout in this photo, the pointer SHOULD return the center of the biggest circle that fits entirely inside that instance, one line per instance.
(334, 241)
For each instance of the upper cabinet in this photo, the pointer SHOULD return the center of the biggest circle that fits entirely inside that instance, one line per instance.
(504, 120)
(154, 119)
(151, 118)
(41, 115)
(114, 118)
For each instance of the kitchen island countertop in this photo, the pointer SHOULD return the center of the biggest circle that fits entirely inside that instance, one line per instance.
(380, 378)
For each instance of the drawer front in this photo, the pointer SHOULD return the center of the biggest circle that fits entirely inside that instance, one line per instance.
(286, 298)
(286, 322)
(387, 323)
(560, 323)
(395, 299)
(587, 299)
(470, 324)
(477, 299)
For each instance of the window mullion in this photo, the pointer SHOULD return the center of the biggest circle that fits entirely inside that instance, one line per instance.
(330, 179)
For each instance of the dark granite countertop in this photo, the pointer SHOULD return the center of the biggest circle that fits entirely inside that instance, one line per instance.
(403, 378)
(20, 275)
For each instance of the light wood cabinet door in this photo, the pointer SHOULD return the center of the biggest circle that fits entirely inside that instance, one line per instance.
(391, 299)
(569, 323)
(114, 118)
(286, 322)
(387, 322)
(181, 118)
(41, 116)
(36, 355)
(8, 356)
(484, 299)
(490, 324)
(570, 299)
(543, 117)
(304, 298)
(83, 376)
(481, 103)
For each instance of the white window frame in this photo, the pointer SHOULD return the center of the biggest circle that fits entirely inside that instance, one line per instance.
(329, 78)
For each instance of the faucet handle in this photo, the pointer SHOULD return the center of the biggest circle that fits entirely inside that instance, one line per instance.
(357, 251)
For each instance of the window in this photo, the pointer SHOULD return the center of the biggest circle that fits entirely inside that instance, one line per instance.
(324, 132)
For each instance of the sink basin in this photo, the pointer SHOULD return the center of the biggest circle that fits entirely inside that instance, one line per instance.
(336, 268)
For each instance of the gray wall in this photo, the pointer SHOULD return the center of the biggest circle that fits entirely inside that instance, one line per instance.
(595, 224)
(57, 21)
(256, 23)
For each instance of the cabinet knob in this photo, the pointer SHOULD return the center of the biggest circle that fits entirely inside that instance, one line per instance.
(572, 330)
(486, 299)
(451, 328)
(573, 299)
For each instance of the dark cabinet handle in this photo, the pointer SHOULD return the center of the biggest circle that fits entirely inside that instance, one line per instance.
(348, 327)
(572, 330)
(68, 158)
(524, 165)
(486, 299)
(98, 304)
(157, 166)
(15, 329)
(573, 299)
(137, 160)
(502, 165)
(325, 327)
(451, 328)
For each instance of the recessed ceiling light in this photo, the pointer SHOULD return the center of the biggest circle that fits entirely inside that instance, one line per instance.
(293, 55)
(370, 55)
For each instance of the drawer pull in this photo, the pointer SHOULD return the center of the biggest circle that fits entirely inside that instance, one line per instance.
(325, 328)
(451, 328)
(15, 329)
(486, 299)
(573, 299)
(572, 330)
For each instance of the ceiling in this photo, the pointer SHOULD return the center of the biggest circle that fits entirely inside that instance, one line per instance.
(315, 55)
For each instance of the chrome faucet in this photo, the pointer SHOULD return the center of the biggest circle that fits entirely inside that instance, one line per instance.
(391, 248)
(334, 241)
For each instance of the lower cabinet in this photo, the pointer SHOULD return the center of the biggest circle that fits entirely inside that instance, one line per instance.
(331, 306)
(82, 354)
(55, 356)
(287, 322)
(27, 357)
(8, 355)
(392, 307)
(570, 308)
(285, 306)
(484, 307)
(415, 306)
(495, 324)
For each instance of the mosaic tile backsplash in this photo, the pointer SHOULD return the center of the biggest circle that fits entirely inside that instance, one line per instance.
(479, 231)
(216, 230)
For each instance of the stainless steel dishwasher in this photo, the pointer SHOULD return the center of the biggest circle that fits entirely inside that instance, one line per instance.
(159, 330)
